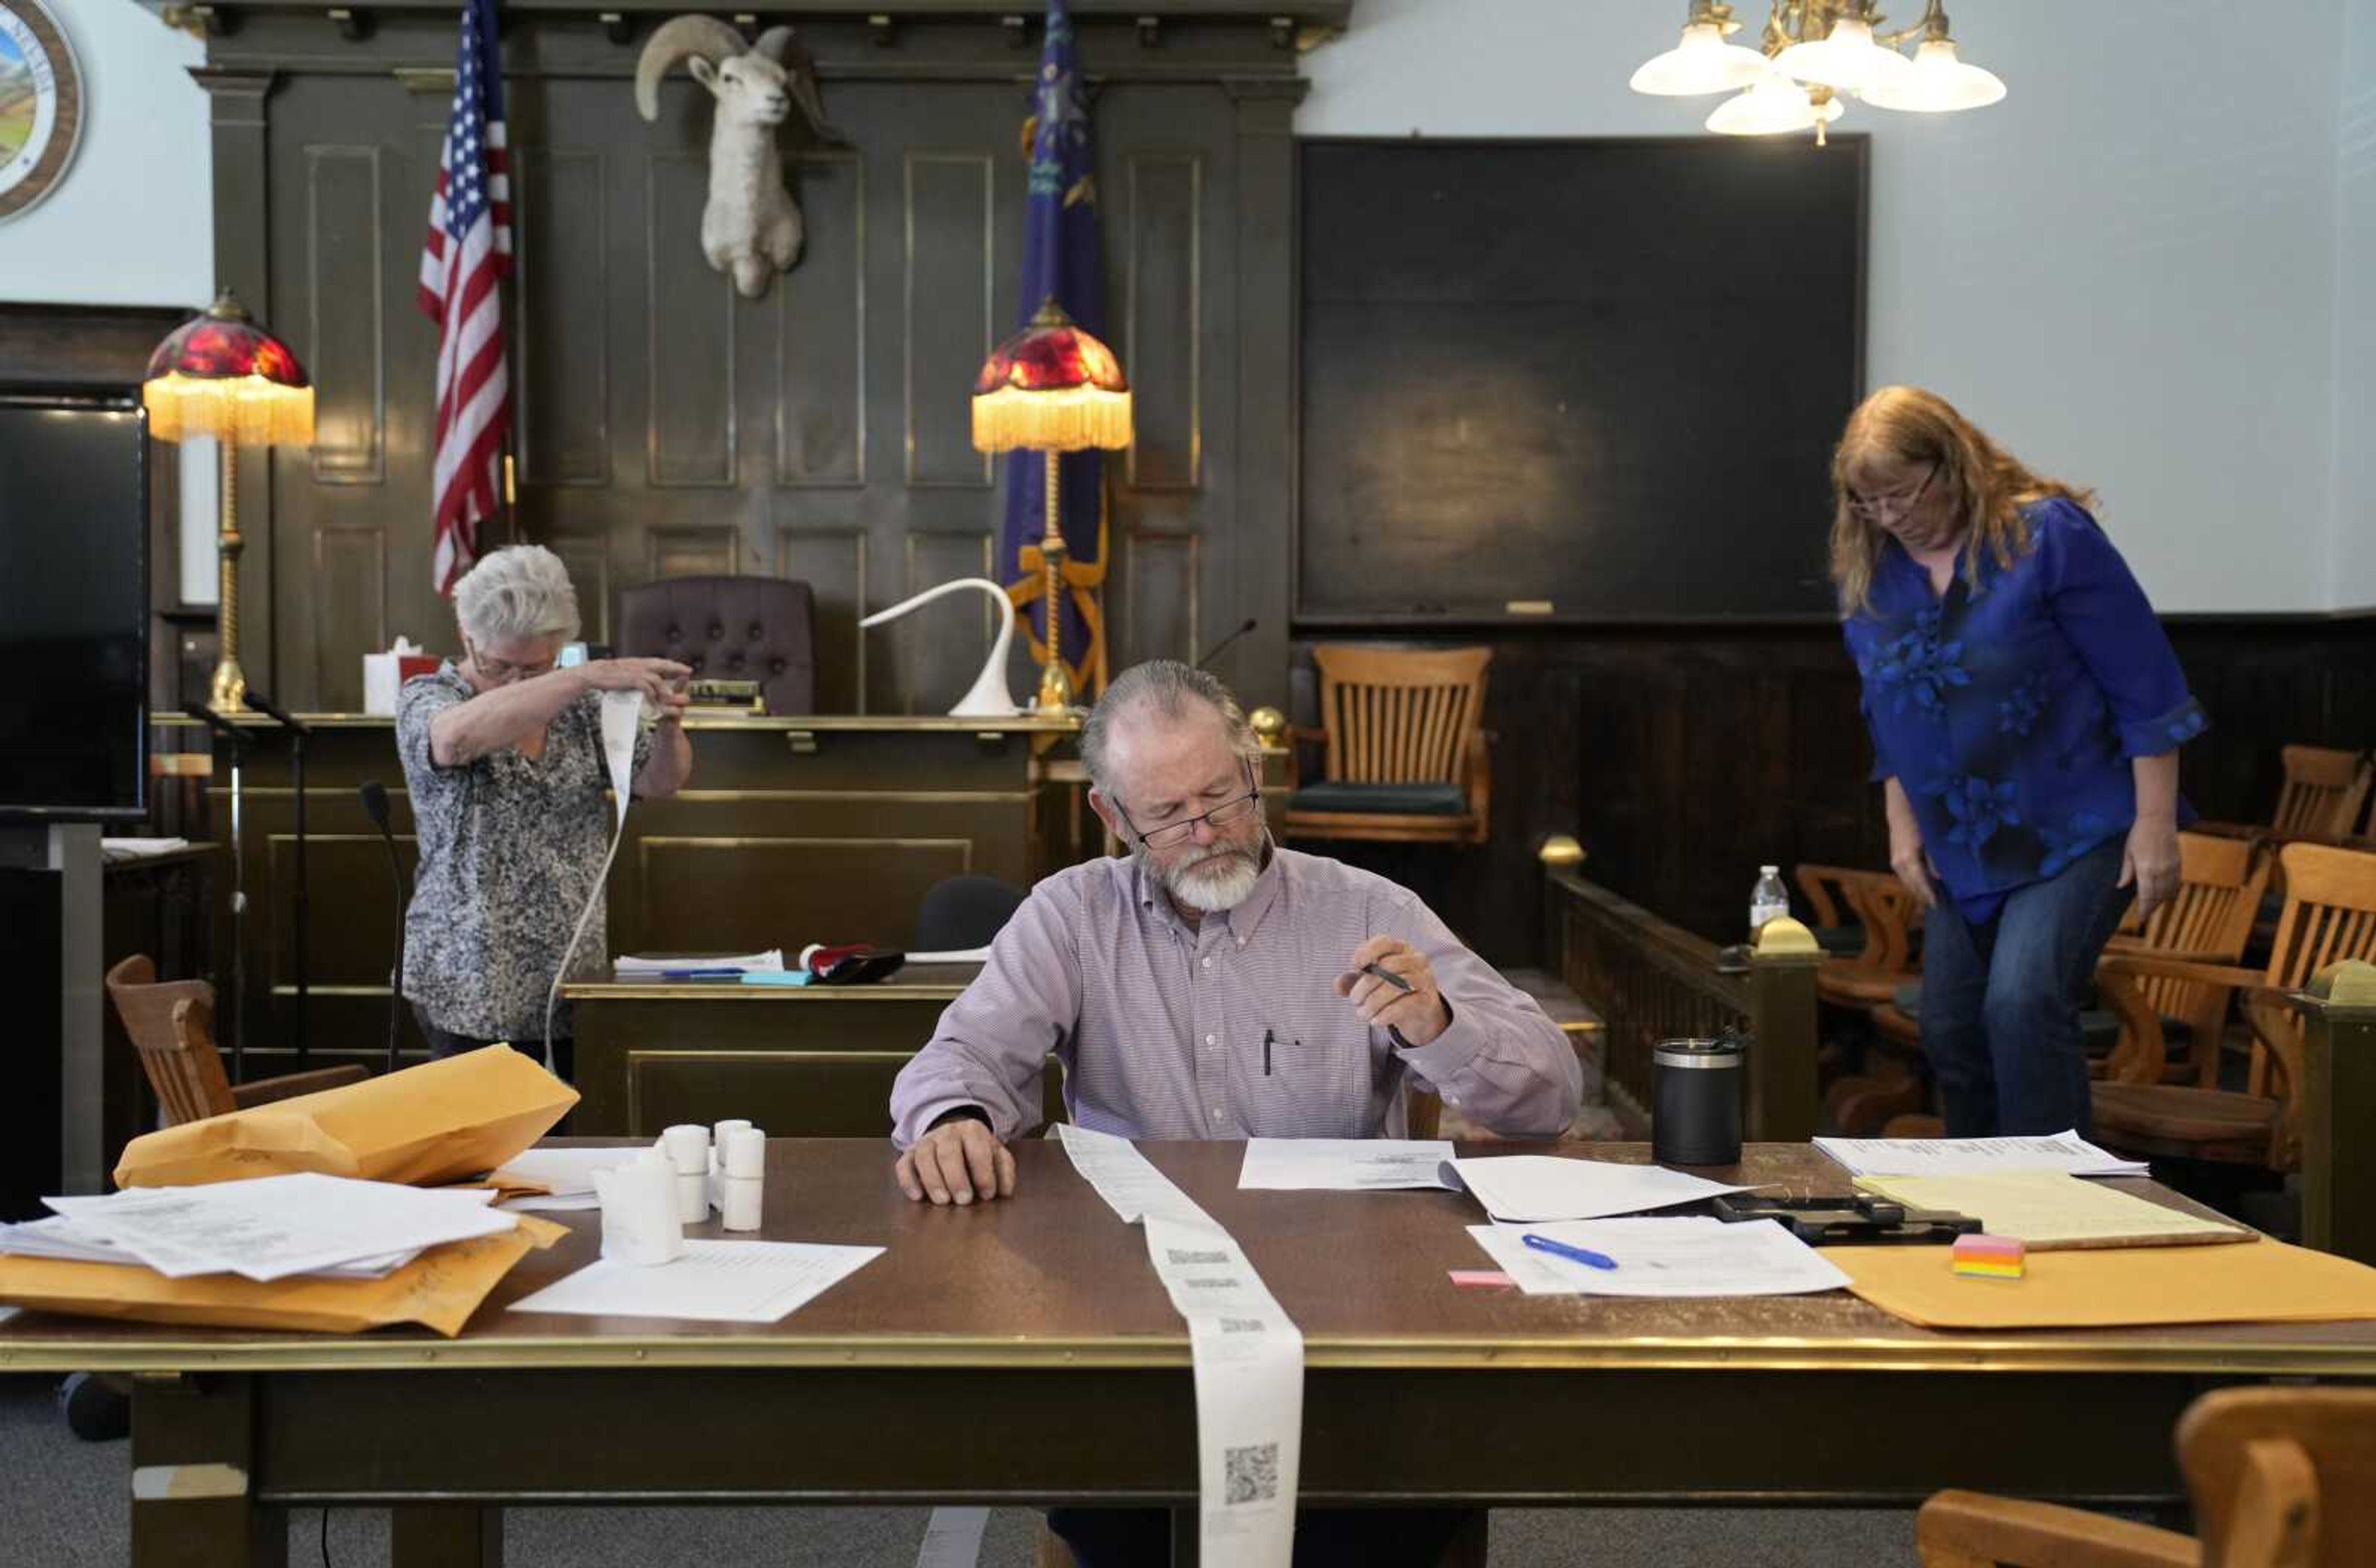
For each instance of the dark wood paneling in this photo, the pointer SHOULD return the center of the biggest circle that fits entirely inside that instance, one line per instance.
(561, 229)
(344, 323)
(821, 330)
(350, 596)
(1685, 757)
(942, 645)
(1163, 236)
(1159, 601)
(948, 204)
(692, 433)
(833, 563)
(665, 425)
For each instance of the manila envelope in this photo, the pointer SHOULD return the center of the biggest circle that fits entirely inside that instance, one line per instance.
(440, 1289)
(437, 1122)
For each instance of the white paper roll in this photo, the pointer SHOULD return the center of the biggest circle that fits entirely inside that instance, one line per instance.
(639, 1212)
(688, 1148)
(692, 1197)
(744, 1196)
(745, 1152)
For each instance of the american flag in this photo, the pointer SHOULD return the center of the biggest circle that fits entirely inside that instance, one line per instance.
(470, 247)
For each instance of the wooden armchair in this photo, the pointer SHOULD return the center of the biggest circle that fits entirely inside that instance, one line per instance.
(2220, 882)
(1886, 911)
(172, 1024)
(1405, 748)
(2329, 915)
(2323, 793)
(2280, 1477)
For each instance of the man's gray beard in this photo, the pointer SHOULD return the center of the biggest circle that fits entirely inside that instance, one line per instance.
(1209, 889)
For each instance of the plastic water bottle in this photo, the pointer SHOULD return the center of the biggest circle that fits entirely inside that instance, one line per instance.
(1767, 899)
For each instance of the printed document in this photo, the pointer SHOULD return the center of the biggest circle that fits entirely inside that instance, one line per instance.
(2066, 1152)
(713, 1282)
(273, 1226)
(1545, 1186)
(1663, 1258)
(1344, 1164)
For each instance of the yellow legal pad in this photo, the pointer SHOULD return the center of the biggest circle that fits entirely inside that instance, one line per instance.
(2260, 1282)
(2046, 1210)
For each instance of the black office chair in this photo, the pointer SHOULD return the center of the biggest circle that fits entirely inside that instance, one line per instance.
(963, 913)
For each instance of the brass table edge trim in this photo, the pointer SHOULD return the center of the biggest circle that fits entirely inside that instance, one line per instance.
(1170, 1353)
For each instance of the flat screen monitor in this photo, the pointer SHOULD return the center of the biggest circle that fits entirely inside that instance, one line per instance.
(74, 607)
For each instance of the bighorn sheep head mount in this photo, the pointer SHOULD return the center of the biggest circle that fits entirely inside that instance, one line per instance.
(749, 227)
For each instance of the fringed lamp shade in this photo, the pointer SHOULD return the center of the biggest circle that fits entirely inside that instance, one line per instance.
(220, 375)
(1052, 387)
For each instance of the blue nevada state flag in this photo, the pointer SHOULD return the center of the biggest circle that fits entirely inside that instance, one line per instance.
(1061, 261)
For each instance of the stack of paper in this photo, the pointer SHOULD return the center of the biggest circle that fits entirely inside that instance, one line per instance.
(2066, 1152)
(269, 1229)
(1543, 1186)
(631, 967)
(567, 1173)
(2047, 1209)
(1661, 1258)
(713, 1282)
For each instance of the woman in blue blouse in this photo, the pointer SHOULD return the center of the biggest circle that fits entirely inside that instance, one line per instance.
(2027, 712)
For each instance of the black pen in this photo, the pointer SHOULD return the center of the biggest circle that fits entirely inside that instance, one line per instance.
(1399, 984)
(1265, 1053)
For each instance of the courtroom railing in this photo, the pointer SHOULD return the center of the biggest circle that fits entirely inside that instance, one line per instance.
(1651, 980)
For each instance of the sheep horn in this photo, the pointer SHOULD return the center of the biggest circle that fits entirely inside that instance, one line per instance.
(799, 80)
(677, 38)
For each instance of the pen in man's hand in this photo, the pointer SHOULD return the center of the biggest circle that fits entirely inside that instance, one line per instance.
(1560, 1249)
(1399, 984)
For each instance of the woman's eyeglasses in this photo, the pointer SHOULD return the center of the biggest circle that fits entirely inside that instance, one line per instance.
(502, 671)
(1170, 833)
(1873, 509)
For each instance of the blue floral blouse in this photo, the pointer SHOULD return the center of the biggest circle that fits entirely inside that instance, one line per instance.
(2009, 714)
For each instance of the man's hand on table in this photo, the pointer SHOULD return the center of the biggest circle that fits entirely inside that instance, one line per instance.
(957, 1162)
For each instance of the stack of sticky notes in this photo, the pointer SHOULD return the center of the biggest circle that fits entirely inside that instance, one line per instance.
(1983, 1256)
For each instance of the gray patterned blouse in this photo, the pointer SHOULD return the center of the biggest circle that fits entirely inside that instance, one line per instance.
(510, 847)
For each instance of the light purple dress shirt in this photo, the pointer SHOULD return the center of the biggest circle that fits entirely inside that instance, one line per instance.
(1160, 1025)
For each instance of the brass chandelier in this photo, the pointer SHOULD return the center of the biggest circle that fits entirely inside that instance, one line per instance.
(1815, 54)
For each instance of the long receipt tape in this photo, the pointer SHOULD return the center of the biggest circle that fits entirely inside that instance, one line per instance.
(1247, 1356)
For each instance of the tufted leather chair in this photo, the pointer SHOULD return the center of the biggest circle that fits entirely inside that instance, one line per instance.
(758, 629)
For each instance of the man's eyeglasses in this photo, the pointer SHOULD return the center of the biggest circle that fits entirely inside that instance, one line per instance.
(1235, 810)
(1872, 510)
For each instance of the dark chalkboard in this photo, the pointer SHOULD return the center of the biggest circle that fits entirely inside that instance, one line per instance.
(1607, 374)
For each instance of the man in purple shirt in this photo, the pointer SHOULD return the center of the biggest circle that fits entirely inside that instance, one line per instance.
(1211, 984)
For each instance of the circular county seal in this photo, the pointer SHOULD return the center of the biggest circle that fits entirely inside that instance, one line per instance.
(41, 104)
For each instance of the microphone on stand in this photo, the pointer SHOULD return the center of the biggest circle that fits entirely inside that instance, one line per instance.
(374, 796)
(301, 901)
(1217, 648)
(230, 737)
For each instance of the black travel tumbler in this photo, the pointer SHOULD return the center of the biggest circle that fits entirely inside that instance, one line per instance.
(1695, 1101)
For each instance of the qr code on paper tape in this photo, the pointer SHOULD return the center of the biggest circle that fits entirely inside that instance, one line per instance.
(1253, 1473)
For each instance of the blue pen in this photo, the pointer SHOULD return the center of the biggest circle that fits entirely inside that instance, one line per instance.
(1560, 1249)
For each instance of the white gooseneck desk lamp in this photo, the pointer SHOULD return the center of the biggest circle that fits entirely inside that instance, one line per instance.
(990, 697)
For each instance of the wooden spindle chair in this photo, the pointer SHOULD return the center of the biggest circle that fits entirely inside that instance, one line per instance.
(1406, 751)
(172, 1024)
(2280, 1477)
(2209, 920)
(2329, 915)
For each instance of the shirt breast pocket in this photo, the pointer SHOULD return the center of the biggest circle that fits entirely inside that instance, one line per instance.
(1311, 1084)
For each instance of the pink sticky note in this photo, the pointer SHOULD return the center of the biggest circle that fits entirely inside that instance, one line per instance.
(1482, 1279)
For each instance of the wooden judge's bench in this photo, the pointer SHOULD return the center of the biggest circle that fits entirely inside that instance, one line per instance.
(815, 828)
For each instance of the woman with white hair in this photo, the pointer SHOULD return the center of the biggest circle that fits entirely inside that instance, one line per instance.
(502, 754)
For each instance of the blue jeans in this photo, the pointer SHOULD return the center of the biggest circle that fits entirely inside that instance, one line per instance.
(2001, 1000)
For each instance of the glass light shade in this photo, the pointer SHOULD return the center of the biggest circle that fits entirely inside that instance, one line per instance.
(1936, 83)
(220, 375)
(1848, 60)
(1773, 107)
(1052, 387)
(1702, 61)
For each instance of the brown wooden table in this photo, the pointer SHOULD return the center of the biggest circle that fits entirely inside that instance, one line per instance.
(1022, 1352)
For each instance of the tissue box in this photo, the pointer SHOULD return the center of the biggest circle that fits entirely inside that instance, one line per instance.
(384, 673)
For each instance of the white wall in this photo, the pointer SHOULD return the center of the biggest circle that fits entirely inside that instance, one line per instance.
(132, 222)
(2126, 271)
(2354, 336)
